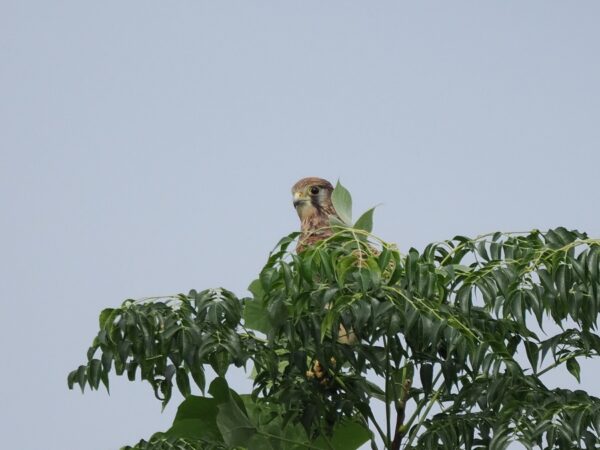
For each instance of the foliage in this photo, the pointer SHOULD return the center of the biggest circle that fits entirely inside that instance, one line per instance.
(443, 338)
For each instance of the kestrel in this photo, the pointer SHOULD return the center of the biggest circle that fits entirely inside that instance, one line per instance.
(312, 200)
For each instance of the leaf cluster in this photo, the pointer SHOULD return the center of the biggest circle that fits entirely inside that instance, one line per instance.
(454, 341)
(166, 341)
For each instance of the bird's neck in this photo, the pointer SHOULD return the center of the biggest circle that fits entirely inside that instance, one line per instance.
(314, 223)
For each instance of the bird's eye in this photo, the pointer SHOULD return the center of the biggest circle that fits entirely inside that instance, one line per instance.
(314, 190)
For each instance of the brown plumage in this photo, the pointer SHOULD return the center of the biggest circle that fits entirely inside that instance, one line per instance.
(312, 200)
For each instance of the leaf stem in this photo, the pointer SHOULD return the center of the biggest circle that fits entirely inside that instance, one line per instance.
(559, 362)
(420, 407)
(289, 441)
(377, 427)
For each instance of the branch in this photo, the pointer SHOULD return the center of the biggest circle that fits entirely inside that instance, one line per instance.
(388, 382)
(400, 415)
(559, 361)
(420, 406)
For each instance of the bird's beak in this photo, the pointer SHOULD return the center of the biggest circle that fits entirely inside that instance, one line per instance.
(299, 199)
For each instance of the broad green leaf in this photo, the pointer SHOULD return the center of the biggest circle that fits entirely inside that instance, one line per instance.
(346, 436)
(104, 315)
(219, 389)
(277, 313)
(255, 316)
(342, 202)
(256, 289)
(196, 418)
(267, 276)
(365, 222)
(267, 418)
(220, 361)
(233, 424)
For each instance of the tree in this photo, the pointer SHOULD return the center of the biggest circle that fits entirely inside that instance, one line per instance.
(444, 342)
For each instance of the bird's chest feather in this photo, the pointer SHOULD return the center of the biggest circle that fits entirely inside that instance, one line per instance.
(315, 228)
(313, 223)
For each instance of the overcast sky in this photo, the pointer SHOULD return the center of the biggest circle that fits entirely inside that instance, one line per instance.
(149, 147)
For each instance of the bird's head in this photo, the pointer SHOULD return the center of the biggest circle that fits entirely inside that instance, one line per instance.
(312, 196)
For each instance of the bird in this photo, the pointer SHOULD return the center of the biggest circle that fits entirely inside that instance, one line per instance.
(312, 201)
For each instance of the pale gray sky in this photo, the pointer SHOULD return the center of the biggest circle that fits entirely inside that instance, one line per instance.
(148, 147)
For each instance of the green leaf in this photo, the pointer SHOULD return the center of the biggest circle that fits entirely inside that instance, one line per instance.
(107, 358)
(562, 281)
(95, 368)
(365, 222)
(426, 374)
(196, 418)
(342, 202)
(384, 258)
(198, 376)
(285, 241)
(327, 323)
(131, 368)
(574, 369)
(256, 289)
(255, 316)
(219, 361)
(219, 389)
(594, 263)
(517, 307)
(71, 379)
(183, 382)
(374, 272)
(532, 352)
(500, 440)
(267, 276)
(277, 313)
(123, 350)
(346, 436)
(233, 424)
(81, 377)
(104, 315)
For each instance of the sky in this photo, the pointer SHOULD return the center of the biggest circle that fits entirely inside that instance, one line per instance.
(149, 147)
